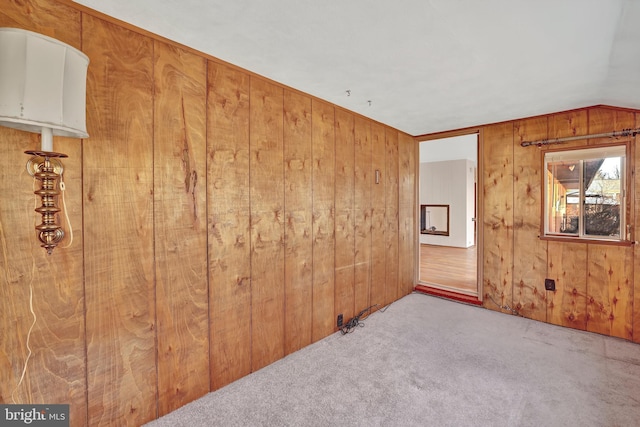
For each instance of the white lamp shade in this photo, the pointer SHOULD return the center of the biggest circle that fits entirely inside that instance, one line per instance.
(42, 84)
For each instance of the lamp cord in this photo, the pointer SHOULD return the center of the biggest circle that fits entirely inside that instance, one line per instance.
(66, 213)
(33, 313)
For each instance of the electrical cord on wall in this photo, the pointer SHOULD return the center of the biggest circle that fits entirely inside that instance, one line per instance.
(64, 209)
(35, 318)
(33, 267)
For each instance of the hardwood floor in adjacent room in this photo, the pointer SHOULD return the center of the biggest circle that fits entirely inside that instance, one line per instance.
(448, 267)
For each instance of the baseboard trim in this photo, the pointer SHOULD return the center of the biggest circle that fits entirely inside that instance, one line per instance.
(468, 299)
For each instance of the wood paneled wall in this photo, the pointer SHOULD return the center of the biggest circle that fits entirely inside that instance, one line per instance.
(57, 368)
(228, 224)
(180, 219)
(597, 285)
(220, 221)
(298, 222)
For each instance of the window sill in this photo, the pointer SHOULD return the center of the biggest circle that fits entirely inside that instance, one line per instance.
(589, 241)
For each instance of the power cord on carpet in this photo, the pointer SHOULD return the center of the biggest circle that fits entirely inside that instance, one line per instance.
(357, 320)
(505, 307)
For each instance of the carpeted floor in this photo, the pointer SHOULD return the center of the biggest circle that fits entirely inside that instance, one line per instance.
(426, 361)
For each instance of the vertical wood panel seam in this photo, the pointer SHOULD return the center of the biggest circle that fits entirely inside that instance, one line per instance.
(383, 180)
(371, 175)
(543, 217)
(84, 255)
(586, 259)
(479, 213)
(283, 231)
(512, 222)
(385, 224)
(311, 158)
(153, 222)
(207, 135)
(250, 227)
(399, 293)
(633, 212)
(335, 210)
(513, 234)
(543, 204)
(416, 228)
(370, 211)
(353, 214)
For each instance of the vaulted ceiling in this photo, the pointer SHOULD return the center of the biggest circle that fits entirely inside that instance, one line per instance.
(421, 66)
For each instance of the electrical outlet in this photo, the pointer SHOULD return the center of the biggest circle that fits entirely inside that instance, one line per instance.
(549, 284)
(340, 320)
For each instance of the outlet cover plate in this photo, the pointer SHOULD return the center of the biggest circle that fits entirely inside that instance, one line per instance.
(549, 284)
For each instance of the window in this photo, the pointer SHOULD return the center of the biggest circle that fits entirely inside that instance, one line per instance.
(585, 193)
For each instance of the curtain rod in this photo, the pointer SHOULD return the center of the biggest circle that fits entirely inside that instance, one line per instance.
(623, 132)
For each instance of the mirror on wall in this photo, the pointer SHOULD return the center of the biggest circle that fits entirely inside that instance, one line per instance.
(434, 219)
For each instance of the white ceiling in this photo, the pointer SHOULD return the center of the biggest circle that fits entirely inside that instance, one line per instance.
(425, 65)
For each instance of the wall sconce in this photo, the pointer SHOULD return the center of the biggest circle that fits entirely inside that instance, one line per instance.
(43, 90)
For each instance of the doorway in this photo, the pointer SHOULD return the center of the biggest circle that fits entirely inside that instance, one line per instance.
(448, 209)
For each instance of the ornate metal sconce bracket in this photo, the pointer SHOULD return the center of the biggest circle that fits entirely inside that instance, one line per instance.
(46, 168)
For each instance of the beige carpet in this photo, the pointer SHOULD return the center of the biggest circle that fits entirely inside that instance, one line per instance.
(426, 361)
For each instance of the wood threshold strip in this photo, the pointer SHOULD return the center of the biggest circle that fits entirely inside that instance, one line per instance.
(468, 299)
